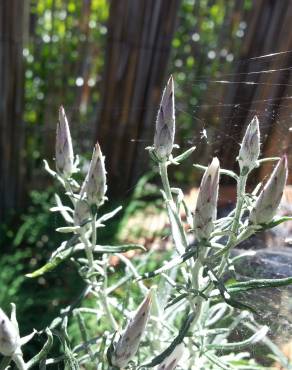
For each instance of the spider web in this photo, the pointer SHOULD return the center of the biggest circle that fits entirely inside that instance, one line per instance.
(273, 258)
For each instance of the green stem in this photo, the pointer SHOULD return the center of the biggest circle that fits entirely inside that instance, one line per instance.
(164, 179)
(101, 293)
(194, 268)
(232, 240)
(5, 362)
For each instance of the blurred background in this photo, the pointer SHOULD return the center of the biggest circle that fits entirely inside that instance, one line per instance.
(107, 62)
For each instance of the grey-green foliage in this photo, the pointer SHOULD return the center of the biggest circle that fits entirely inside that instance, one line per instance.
(189, 317)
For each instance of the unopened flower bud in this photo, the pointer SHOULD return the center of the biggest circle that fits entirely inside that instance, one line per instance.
(165, 123)
(64, 148)
(128, 343)
(9, 336)
(94, 186)
(171, 361)
(270, 197)
(206, 207)
(81, 212)
(250, 147)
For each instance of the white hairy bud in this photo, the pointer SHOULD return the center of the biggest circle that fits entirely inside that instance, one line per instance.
(270, 197)
(9, 336)
(128, 343)
(165, 123)
(64, 148)
(250, 147)
(206, 207)
(171, 361)
(94, 186)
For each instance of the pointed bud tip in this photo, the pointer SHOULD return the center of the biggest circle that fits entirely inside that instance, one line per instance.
(62, 110)
(215, 162)
(97, 146)
(170, 80)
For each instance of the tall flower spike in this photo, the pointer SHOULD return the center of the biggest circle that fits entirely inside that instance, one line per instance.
(94, 186)
(270, 197)
(171, 361)
(9, 336)
(250, 147)
(206, 207)
(64, 148)
(128, 343)
(165, 123)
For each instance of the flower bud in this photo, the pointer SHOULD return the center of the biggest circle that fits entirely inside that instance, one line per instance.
(128, 343)
(81, 212)
(171, 361)
(9, 336)
(270, 197)
(94, 186)
(250, 147)
(64, 149)
(165, 123)
(206, 207)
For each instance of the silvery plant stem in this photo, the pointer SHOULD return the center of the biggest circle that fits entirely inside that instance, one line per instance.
(195, 267)
(241, 185)
(164, 179)
(20, 364)
(101, 292)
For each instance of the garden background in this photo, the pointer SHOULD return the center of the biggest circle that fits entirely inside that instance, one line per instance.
(107, 63)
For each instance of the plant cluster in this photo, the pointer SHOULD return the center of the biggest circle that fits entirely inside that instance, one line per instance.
(189, 311)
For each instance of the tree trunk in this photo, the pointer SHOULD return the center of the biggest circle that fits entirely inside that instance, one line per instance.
(11, 105)
(138, 48)
(265, 94)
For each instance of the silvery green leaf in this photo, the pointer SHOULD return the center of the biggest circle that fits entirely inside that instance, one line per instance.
(68, 229)
(185, 326)
(64, 210)
(277, 220)
(27, 338)
(244, 286)
(184, 155)
(171, 361)
(255, 338)
(66, 251)
(43, 353)
(170, 264)
(222, 171)
(109, 215)
(48, 169)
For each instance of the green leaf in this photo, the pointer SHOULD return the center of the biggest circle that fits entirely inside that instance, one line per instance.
(175, 300)
(117, 248)
(52, 264)
(222, 171)
(169, 265)
(177, 340)
(63, 254)
(184, 155)
(276, 221)
(255, 338)
(245, 286)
